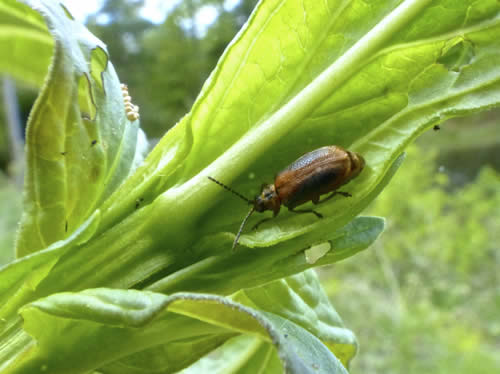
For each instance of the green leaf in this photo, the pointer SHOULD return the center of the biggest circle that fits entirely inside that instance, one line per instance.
(364, 76)
(10, 210)
(20, 280)
(22, 32)
(301, 300)
(243, 354)
(105, 322)
(298, 299)
(301, 352)
(303, 103)
(80, 144)
(251, 268)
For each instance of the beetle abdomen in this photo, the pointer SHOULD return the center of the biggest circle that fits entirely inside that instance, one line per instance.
(306, 160)
(316, 173)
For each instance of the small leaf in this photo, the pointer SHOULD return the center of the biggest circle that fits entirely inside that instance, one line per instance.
(301, 300)
(243, 354)
(250, 268)
(301, 351)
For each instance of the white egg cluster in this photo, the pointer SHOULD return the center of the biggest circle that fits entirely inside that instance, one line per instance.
(131, 110)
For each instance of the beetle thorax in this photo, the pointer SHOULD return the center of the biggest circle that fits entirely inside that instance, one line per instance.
(268, 199)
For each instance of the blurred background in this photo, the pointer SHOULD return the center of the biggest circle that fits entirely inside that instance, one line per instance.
(426, 297)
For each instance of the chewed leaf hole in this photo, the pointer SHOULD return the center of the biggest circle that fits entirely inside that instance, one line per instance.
(317, 251)
(85, 98)
(98, 63)
(457, 54)
(67, 12)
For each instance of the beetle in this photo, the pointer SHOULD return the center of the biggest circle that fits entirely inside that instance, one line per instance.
(316, 173)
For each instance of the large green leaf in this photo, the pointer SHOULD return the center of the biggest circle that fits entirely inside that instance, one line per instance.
(370, 77)
(80, 144)
(116, 323)
(298, 299)
(247, 269)
(42, 273)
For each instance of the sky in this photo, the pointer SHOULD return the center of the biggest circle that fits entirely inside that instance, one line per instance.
(80, 9)
(154, 10)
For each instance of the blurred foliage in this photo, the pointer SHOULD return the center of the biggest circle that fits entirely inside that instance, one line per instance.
(177, 53)
(10, 211)
(465, 145)
(426, 297)
(4, 138)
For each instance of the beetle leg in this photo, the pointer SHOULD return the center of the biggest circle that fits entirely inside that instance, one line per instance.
(261, 221)
(307, 211)
(345, 194)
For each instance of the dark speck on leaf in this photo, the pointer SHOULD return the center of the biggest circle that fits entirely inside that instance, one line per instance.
(94, 173)
(436, 128)
(63, 153)
(86, 116)
(94, 142)
(138, 202)
(66, 227)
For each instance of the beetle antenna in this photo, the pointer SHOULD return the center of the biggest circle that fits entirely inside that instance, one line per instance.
(235, 243)
(231, 190)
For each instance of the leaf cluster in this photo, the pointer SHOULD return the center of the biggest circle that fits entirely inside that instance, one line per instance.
(125, 258)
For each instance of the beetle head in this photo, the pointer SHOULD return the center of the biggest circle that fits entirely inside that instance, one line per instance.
(268, 199)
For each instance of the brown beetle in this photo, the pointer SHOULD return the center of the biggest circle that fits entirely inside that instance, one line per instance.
(316, 173)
